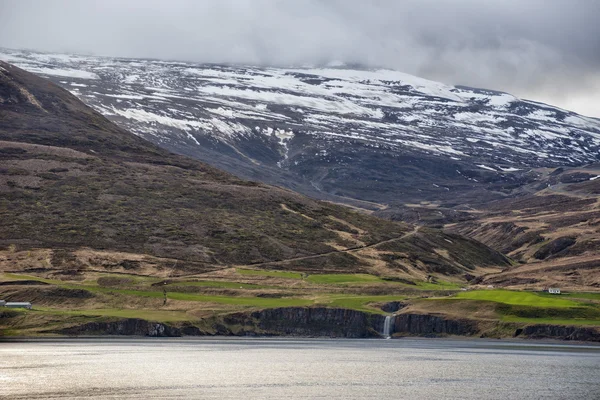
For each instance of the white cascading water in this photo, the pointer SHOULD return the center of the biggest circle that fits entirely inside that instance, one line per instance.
(387, 327)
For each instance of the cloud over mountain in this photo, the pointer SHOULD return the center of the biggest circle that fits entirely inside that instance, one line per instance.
(544, 50)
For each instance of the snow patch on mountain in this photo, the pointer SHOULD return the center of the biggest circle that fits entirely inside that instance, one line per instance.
(71, 73)
(179, 102)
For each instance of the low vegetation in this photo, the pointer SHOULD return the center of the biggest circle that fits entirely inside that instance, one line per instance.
(518, 298)
(96, 296)
(520, 306)
(275, 274)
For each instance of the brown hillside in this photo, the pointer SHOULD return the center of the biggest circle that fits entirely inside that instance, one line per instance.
(554, 231)
(71, 180)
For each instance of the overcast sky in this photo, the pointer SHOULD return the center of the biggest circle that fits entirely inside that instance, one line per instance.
(546, 50)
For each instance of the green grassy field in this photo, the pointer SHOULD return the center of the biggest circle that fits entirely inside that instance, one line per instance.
(259, 302)
(7, 277)
(327, 290)
(134, 279)
(517, 298)
(330, 300)
(552, 321)
(574, 295)
(337, 279)
(273, 274)
(439, 285)
(152, 315)
(220, 284)
(331, 279)
(538, 308)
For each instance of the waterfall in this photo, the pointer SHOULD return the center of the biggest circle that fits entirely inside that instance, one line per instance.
(387, 327)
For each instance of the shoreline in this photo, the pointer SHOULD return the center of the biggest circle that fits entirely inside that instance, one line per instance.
(283, 339)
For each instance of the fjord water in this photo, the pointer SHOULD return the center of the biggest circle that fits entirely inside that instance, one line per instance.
(296, 369)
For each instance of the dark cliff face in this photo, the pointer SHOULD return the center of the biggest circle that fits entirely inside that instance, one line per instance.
(420, 324)
(561, 332)
(126, 327)
(292, 321)
(325, 322)
(432, 325)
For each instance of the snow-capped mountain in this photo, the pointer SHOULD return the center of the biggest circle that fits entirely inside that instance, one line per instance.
(374, 135)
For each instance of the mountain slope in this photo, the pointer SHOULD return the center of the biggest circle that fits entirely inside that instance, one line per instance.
(368, 138)
(70, 180)
(108, 234)
(553, 232)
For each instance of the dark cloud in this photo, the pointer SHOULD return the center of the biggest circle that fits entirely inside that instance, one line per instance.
(548, 50)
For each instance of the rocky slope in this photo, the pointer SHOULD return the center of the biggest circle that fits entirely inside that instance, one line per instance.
(341, 134)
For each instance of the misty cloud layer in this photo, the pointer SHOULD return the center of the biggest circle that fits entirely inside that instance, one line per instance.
(548, 50)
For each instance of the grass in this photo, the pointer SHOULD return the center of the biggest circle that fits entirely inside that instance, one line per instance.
(135, 279)
(150, 315)
(352, 302)
(552, 321)
(220, 284)
(517, 298)
(537, 308)
(361, 303)
(273, 274)
(260, 302)
(510, 306)
(18, 277)
(263, 302)
(343, 278)
(337, 279)
(575, 295)
(439, 285)
(333, 279)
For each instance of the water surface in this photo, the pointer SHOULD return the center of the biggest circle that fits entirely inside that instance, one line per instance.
(296, 369)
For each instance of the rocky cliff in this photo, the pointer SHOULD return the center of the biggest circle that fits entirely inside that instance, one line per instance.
(290, 321)
(330, 322)
(125, 327)
(544, 331)
(422, 324)
(294, 321)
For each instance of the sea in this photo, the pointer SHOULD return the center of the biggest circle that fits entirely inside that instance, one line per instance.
(182, 368)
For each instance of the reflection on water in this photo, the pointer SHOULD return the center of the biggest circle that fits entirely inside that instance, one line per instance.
(297, 369)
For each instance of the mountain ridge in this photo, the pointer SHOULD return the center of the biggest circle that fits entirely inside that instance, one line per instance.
(348, 136)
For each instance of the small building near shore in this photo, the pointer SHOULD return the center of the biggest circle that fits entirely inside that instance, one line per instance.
(2, 303)
(554, 290)
(18, 305)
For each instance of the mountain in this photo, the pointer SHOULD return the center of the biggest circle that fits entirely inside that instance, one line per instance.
(369, 138)
(107, 233)
(71, 180)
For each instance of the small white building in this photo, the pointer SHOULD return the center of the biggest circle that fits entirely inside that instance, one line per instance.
(18, 305)
(554, 290)
(2, 303)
